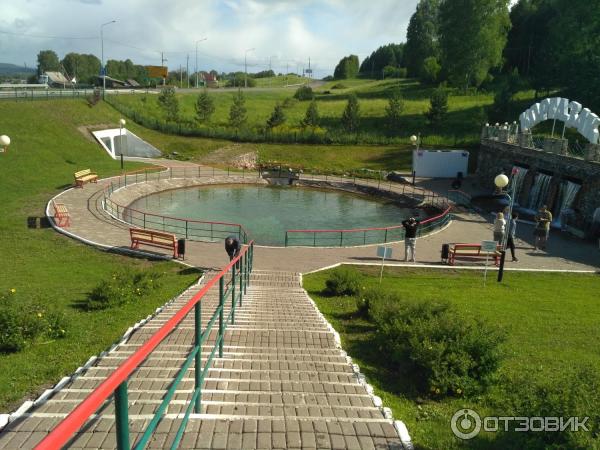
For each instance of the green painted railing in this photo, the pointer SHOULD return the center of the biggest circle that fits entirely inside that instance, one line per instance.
(196, 230)
(362, 236)
(232, 283)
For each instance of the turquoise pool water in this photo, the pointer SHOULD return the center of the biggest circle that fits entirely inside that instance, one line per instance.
(266, 212)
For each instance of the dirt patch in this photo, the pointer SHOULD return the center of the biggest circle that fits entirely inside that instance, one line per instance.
(86, 130)
(235, 155)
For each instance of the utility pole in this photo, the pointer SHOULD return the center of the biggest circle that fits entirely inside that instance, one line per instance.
(163, 60)
(270, 78)
(187, 70)
(180, 76)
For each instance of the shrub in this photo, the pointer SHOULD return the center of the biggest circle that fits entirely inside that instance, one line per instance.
(277, 117)
(571, 392)
(448, 354)
(304, 93)
(169, 104)
(23, 320)
(311, 118)
(351, 114)
(289, 102)
(238, 111)
(393, 112)
(339, 86)
(430, 71)
(343, 281)
(205, 107)
(367, 298)
(121, 288)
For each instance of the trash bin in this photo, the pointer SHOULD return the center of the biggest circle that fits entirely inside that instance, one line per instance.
(445, 252)
(181, 248)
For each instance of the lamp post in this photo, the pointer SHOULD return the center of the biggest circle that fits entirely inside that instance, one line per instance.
(102, 69)
(121, 125)
(4, 143)
(199, 40)
(501, 181)
(246, 66)
(416, 141)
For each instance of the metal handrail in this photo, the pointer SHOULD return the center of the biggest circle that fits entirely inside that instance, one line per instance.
(388, 235)
(116, 383)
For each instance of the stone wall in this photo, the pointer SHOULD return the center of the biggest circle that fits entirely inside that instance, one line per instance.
(496, 157)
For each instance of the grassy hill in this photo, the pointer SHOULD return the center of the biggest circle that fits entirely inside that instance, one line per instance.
(460, 128)
(43, 265)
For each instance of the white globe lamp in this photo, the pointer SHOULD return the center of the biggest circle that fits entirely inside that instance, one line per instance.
(501, 181)
(4, 142)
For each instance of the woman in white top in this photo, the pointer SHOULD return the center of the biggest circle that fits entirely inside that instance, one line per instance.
(499, 228)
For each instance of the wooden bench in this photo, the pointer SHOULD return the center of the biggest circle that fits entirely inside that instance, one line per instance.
(153, 238)
(471, 252)
(61, 214)
(85, 176)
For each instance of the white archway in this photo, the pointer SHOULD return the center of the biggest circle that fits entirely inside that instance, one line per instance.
(570, 112)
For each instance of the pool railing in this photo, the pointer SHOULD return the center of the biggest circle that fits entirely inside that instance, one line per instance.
(232, 284)
(362, 236)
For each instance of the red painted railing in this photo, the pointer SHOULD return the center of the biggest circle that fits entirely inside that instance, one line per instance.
(63, 432)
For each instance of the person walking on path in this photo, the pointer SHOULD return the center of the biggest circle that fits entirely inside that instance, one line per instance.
(499, 228)
(232, 246)
(512, 228)
(542, 228)
(410, 238)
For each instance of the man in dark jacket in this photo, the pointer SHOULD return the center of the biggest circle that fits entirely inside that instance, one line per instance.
(410, 238)
(232, 246)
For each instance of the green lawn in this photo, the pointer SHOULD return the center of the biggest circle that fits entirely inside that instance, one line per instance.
(551, 320)
(460, 128)
(46, 149)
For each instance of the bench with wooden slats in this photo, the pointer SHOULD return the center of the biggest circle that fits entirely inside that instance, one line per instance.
(471, 252)
(154, 239)
(61, 214)
(85, 176)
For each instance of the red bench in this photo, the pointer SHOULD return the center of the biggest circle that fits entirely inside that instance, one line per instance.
(471, 252)
(61, 214)
(154, 239)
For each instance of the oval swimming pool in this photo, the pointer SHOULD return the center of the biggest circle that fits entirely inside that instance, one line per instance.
(266, 212)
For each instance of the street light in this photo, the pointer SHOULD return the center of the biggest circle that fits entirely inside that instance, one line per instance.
(102, 69)
(246, 66)
(501, 181)
(199, 40)
(121, 125)
(4, 143)
(416, 140)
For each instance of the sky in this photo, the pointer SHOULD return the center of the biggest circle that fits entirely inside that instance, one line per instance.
(286, 32)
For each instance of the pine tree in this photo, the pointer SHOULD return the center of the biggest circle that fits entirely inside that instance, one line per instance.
(393, 111)
(438, 106)
(205, 107)
(351, 114)
(277, 117)
(238, 111)
(311, 118)
(169, 104)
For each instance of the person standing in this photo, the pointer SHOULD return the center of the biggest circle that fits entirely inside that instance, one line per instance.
(410, 238)
(512, 228)
(232, 246)
(543, 219)
(499, 228)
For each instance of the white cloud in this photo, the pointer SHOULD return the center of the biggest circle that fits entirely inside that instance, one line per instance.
(324, 30)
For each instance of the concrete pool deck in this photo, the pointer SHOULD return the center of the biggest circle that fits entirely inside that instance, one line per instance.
(90, 223)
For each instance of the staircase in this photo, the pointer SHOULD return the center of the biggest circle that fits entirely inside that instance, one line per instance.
(283, 382)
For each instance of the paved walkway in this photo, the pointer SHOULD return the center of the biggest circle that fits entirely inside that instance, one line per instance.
(91, 222)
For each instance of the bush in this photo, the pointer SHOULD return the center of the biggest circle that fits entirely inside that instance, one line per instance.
(123, 287)
(351, 114)
(447, 354)
(430, 71)
(438, 106)
(304, 93)
(367, 298)
(289, 102)
(23, 320)
(343, 281)
(277, 117)
(572, 392)
(339, 86)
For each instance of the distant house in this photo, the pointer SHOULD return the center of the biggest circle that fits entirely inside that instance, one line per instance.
(57, 80)
(210, 80)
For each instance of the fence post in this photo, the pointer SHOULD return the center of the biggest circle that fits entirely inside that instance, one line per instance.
(122, 416)
(221, 306)
(242, 280)
(341, 238)
(246, 268)
(385, 239)
(233, 280)
(198, 362)
(186, 228)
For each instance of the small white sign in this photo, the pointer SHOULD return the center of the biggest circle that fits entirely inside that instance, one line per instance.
(488, 246)
(384, 252)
